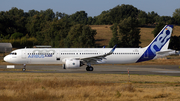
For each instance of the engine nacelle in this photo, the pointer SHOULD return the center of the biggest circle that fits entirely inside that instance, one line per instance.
(72, 64)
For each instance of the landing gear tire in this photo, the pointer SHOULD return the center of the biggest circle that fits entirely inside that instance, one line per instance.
(23, 69)
(64, 66)
(89, 68)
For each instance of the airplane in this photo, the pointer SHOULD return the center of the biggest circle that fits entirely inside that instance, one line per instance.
(72, 58)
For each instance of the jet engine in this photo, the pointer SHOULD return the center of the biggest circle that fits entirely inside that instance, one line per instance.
(72, 64)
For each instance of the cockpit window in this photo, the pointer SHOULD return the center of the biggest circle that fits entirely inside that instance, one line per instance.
(14, 53)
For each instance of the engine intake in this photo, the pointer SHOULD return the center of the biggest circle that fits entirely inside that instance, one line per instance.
(72, 64)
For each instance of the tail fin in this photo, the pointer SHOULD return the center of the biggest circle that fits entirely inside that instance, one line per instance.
(160, 42)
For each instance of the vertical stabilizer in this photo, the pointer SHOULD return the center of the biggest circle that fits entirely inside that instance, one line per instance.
(160, 42)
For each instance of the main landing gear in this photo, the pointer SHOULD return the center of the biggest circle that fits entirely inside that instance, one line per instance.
(89, 68)
(24, 68)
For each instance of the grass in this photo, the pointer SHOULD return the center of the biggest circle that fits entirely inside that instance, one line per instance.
(146, 36)
(104, 34)
(89, 87)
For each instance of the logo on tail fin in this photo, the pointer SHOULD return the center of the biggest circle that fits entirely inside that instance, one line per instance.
(156, 45)
(161, 39)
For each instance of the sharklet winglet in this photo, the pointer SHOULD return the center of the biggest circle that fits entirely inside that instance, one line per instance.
(113, 49)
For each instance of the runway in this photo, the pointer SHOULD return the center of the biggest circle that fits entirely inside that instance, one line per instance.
(170, 70)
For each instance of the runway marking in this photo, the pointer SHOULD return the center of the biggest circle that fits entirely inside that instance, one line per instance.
(167, 71)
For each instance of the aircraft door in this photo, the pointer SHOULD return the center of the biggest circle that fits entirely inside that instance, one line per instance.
(100, 52)
(58, 55)
(23, 55)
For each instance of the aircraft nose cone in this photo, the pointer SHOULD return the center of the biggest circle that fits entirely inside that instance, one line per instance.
(6, 58)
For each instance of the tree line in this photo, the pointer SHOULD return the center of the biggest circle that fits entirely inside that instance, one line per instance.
(44, 28)
(63, 30)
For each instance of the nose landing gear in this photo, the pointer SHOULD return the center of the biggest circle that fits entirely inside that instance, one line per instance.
(24, 68)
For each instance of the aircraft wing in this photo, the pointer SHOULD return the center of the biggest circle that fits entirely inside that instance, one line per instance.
(97, 59)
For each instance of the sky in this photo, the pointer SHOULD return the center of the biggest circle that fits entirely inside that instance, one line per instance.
(91, 7)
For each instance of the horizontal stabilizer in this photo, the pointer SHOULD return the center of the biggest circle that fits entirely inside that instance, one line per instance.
(165, 53)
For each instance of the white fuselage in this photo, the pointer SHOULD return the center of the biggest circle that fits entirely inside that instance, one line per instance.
(56, 55)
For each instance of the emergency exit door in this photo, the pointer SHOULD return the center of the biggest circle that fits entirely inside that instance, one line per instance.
(23, 54)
